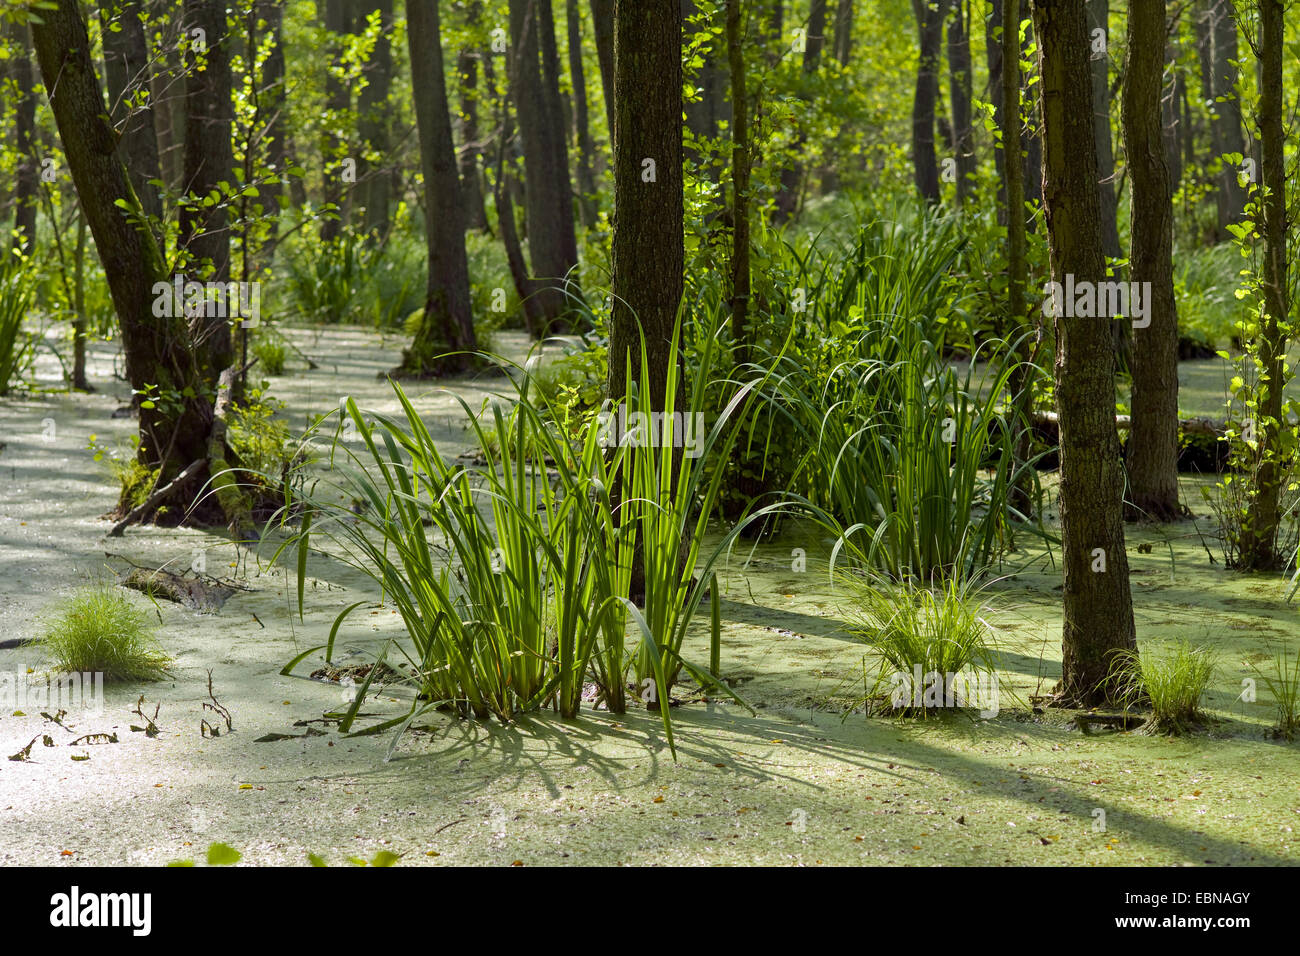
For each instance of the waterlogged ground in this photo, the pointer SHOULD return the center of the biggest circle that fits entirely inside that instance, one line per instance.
(794, 782)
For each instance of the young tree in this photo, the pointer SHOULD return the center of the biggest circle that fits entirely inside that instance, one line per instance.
(1258, 547)
(844, 31)
(1153, 437)
(209, 170)
(1098, 605)
(338, 100)
(648, 245)
(177, 428)
(447, 324)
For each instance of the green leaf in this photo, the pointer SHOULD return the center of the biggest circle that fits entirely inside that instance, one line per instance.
(222, 854)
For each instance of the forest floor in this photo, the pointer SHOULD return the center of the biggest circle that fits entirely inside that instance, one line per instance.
(796, 782)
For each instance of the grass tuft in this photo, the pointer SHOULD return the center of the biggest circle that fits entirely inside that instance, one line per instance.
(1172, 686)
(99, 630)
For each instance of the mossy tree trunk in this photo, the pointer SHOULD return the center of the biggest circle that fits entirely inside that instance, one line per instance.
(1098, 604)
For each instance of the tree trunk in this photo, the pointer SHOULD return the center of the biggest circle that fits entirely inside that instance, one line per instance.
(158, 348)
(792, 176)
(1097, 602)
(471, 150)
(844, 32)
(534, 87)
(995, 42)
(128, 71)
(1218, 27)
(581, 126)
(447, 324)
(648, 251)
(271, 115)
(1153, 442)
(338, 99)
(929, 19)
(27, 186)
(373, 110)
(205, 231)
(1099, 19)
(602, 16)
(1259, 550)
(961, 82)
(1022, 385)
(1173, 127)
(740, 183)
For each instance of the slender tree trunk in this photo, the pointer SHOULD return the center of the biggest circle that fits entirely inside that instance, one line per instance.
(1172, 96)
(1218, 27)
(1022, 385)
(929, 18)
(338, 99)
(373, 109)
(209, 161)
(1259, 551)
(271, 115)
(1153, 439)
(961, 82)
(995, 42)
(128, 72)
(27, 186)
(1098, 604)
(792, 176)
(648, 247)
(534, 86)
(740, 182)
(602, 17)
(169, 92)
(471, 150)
(581, 126)
(1033, 138)
(1099, 19)
(447, 324)
(844, 32)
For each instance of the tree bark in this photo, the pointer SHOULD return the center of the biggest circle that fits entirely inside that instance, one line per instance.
(929, 19)
(471, 150)
(648, 248)
(1259, 551)
(337, 101)
(373, 109)
(740, 284)
(1218, 27)
(128, 72)
(602, 16)
(27, 185)
(447, 324)
(581, 126)
(534, 87)
(1153, 442)
(844, 32)
(1097, 601)
(961, 82)
(209, 161)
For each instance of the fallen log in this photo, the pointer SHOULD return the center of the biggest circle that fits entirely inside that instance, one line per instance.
(1048, 423)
